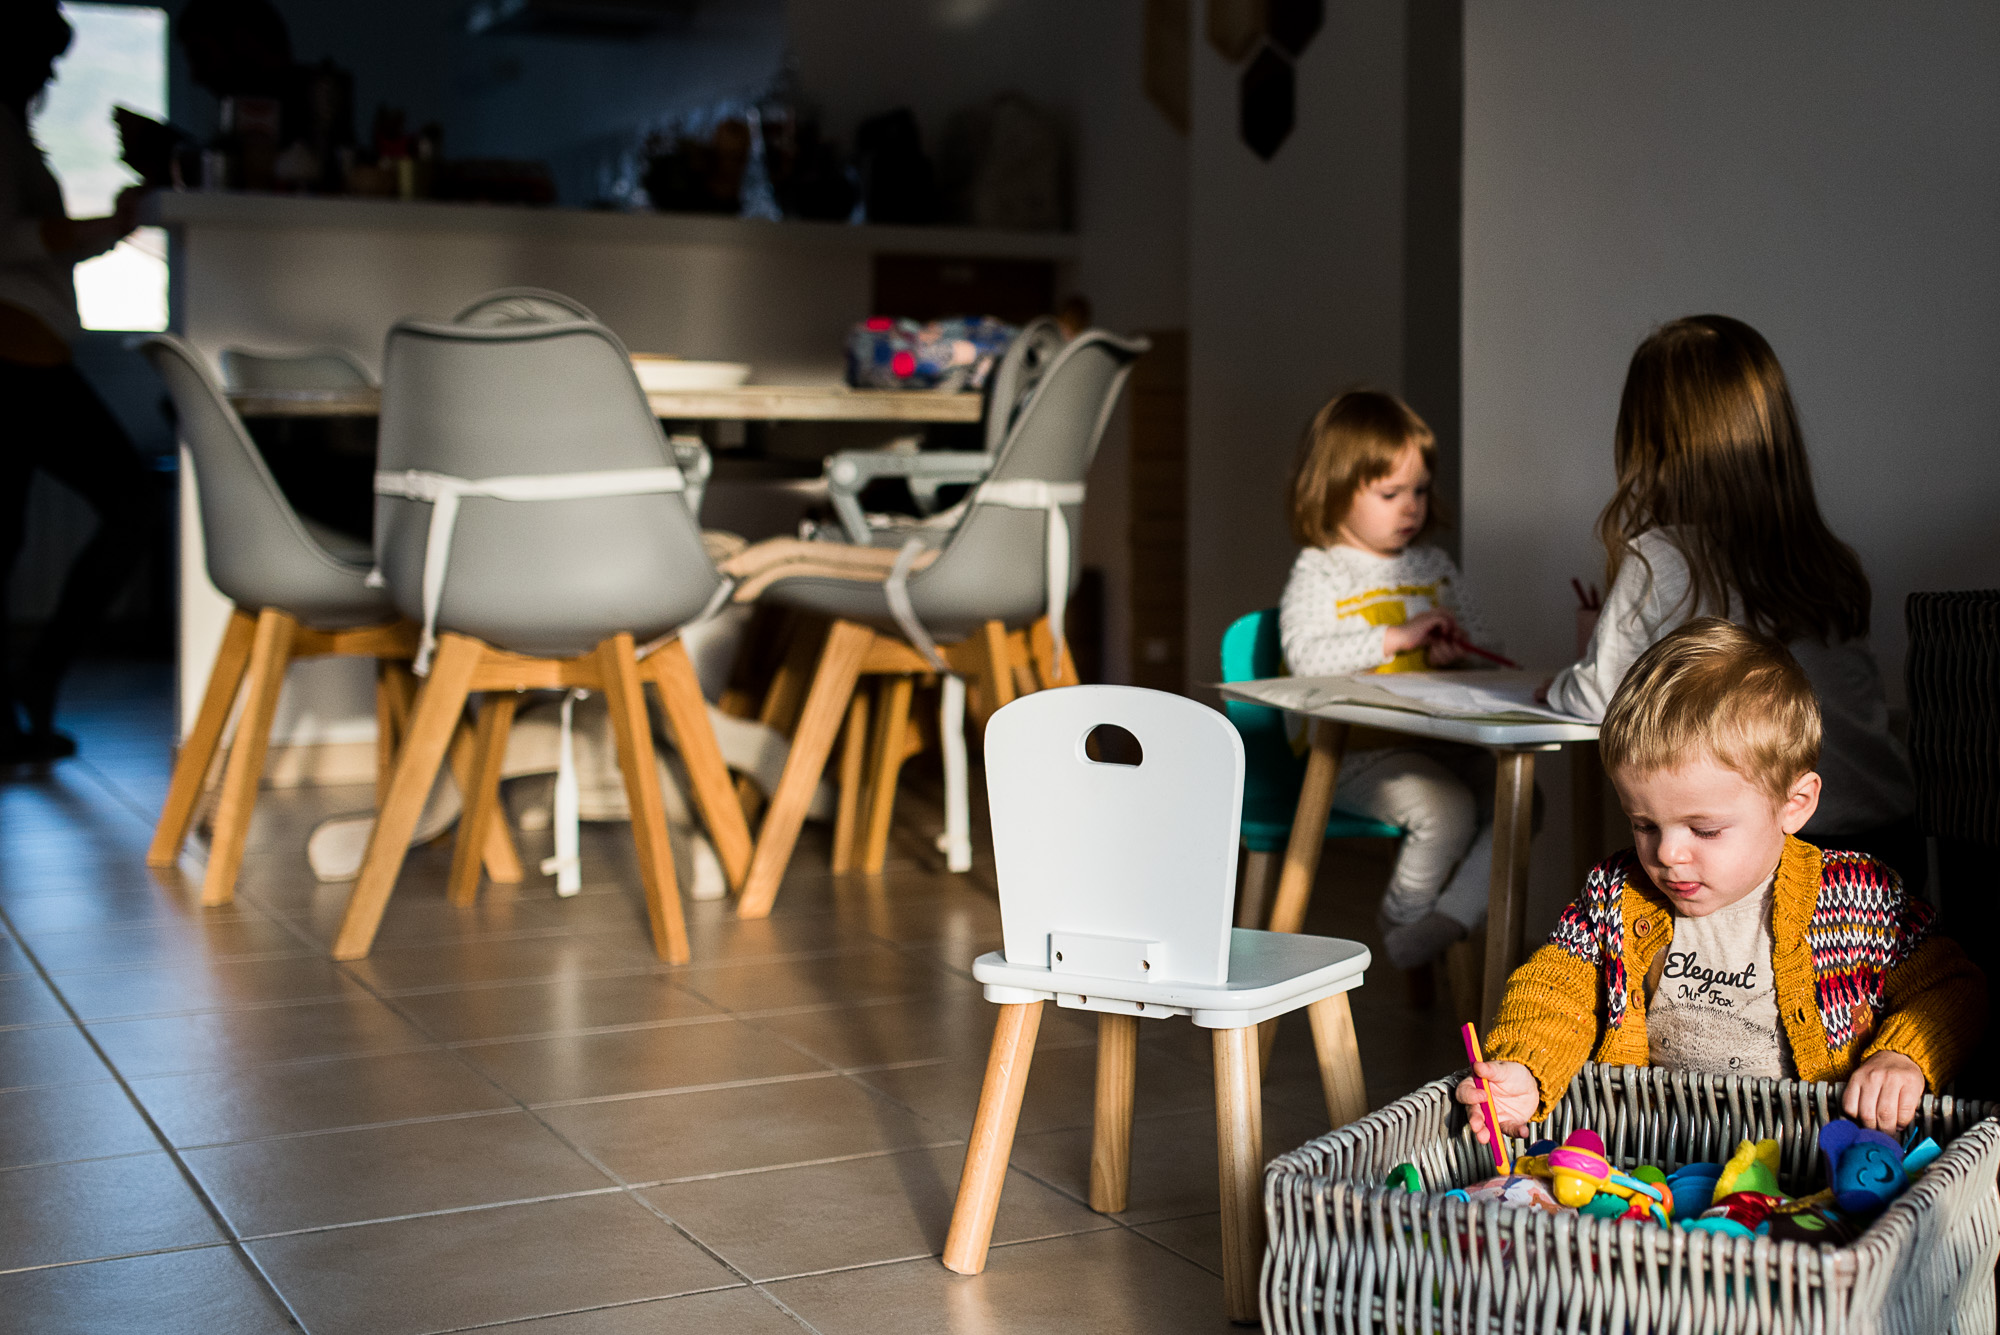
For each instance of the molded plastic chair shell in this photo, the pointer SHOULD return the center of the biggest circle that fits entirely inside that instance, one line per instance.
(523, 305)
(992, 566)
(318, 368)
(547, 578)
(1273, 771)
(1117, 882)
(260, 552)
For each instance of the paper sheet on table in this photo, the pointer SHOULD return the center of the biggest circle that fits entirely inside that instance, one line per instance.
(1455, 695)
(1503, 696)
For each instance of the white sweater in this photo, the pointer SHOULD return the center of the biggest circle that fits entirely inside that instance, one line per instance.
(1864, 768)
(1340, 602)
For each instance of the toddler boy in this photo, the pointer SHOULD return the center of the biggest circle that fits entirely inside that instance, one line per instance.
(1720, 942)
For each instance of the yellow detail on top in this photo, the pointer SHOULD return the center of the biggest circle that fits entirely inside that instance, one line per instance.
(1386, 607)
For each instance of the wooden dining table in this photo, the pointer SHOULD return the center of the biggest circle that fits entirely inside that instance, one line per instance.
(736, 403)
(1333, 705)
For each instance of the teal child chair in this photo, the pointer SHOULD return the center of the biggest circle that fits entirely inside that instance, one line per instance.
(1273, 772)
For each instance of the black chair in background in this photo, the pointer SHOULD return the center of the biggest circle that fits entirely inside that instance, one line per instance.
(1953, 674)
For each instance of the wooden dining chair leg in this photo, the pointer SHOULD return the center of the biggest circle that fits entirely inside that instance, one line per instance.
(385, 732)
(1111, 1125)
(438, 708)
(1339, 1059)
(885, 767)
(1260, 876)
(1239, 1150)
(826, 706)
(481, 796)
(632, 728)
(994, 675)
(786, 695)
(264, 680)
(1267, 1042)
(502, 858)
(992, 1140)
(847, 824)
(1052, 672)
(204, 739)
(673, 676)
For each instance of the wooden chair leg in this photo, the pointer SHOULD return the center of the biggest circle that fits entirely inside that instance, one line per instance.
(387, 726)
(480, 793)
(1239, 1151)
(826, 705)
(995, 673)
(497, 851)
(439, 705)
(270, 654)
(885, 767)
(1339, 1059)
(1111, 1127)
(853, 758)
(1051, 672)
(633, 729)
(992, 1138)
(673, 676)
(786, 695)
(1260, 878)
(1267, 1042)
(204, 739)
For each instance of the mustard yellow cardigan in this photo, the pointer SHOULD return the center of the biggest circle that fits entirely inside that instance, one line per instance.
(1856, 965)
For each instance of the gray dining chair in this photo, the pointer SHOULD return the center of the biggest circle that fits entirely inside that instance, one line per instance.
(530, 517)
(522, 305)
(316, 369)
(963, 609)
(300, 589)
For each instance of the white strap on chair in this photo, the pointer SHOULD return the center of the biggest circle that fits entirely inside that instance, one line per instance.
(444, 492)
(567, 818)
(1049, 497)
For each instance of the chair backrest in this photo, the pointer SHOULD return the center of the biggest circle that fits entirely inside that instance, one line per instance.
(1112, 864)
(523, 305)
(259, 553)
(319, 368)
(993, 566)
(1251, 650)
(525, 399)
(1018, 375)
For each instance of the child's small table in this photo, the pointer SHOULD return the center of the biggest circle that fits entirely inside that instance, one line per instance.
(1334, 704)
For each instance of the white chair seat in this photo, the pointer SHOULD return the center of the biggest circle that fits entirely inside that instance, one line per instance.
(1270, 974)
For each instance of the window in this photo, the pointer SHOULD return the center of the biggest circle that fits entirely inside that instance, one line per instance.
(117, 58)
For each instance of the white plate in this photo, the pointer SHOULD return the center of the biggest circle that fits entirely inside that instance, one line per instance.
(658, 374)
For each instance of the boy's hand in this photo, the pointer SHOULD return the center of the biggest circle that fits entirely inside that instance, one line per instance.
(1516, 1095)
(1882, 1093)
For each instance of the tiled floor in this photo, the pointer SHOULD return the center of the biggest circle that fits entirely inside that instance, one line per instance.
(513, 1116)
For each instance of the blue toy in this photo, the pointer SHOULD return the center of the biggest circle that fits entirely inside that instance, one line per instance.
(1865, 1168)
(1693, 1188)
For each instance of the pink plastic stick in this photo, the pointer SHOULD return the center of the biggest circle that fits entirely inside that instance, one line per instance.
(1491, 1113)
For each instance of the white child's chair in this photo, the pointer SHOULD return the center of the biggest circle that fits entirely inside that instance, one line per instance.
(1116, 887)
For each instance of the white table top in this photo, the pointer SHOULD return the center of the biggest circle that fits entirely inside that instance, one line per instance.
(1360, 699)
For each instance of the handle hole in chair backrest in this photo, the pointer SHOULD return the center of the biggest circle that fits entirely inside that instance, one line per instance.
(1109, 744)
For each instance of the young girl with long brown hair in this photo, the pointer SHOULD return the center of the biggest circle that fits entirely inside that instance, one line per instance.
(1367, 594)
(1715, 515)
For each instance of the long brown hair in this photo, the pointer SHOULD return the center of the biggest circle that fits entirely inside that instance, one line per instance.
(1354, 439)
(1709, 443)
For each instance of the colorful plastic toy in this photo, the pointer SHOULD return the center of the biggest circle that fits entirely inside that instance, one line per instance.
(1579, 1168)
(1693, 1188)
(1754, 1167)
(1406, 1176)
(1864, 1167)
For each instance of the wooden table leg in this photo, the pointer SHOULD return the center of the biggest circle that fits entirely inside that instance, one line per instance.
(992, 1137)
(1586, 821)
(1111, 1134)
(1295, 883)
(1239, 1152)
(1507, 900)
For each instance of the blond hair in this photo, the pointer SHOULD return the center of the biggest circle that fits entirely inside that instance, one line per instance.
(1354, 439)
(1708, 444)
(1713, 689)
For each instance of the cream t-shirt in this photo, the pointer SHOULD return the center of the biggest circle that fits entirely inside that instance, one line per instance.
(1715, 1007)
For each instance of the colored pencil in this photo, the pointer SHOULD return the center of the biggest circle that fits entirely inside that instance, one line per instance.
(1491, 1113)
(1486, 654)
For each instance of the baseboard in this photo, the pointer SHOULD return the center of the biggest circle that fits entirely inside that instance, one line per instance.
(313, 763)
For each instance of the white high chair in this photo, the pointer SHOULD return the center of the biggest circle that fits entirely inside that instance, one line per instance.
(1116, 887)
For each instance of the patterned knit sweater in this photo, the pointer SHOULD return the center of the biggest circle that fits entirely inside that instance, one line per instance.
(1856, 966)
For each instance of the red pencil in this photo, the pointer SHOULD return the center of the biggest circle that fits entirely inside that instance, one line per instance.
(1486, 654)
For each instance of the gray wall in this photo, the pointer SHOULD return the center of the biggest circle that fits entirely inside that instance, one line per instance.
(1829, 173)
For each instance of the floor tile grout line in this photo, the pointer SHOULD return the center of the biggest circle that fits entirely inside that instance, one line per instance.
(208, 1203)
(120, 1256)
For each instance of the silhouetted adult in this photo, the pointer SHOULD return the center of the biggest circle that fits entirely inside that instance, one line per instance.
(50, 418)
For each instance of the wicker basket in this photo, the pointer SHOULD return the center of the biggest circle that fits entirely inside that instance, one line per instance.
(1347, 1255)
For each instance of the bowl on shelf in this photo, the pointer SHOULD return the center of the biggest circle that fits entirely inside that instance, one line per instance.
(658, 374)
